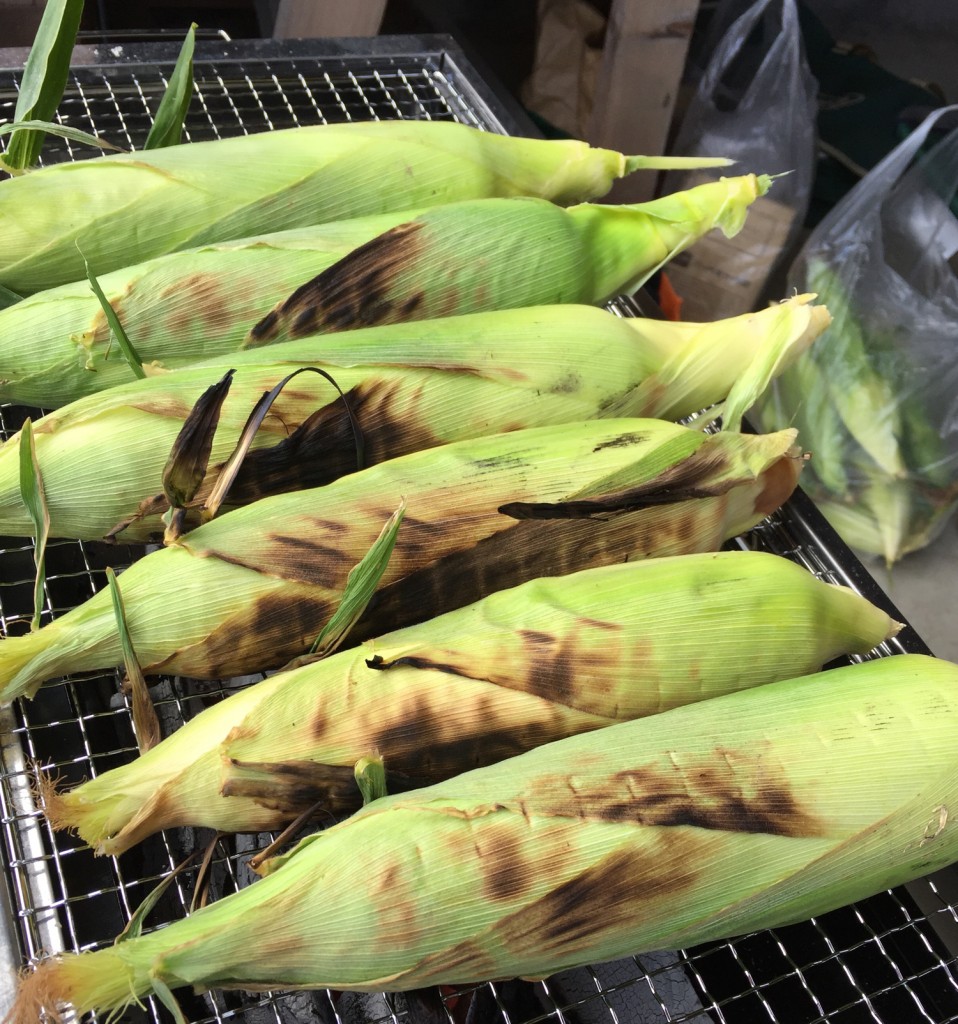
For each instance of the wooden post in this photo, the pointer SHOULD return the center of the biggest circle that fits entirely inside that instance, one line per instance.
(642, 63)
(318, 19)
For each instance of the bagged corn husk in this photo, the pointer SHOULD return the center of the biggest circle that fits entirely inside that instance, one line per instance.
(875, 402)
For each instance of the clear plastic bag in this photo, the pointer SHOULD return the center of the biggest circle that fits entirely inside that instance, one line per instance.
(755, 102)
(876, 398)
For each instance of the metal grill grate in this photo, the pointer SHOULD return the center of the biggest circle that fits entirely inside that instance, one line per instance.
(888, 959)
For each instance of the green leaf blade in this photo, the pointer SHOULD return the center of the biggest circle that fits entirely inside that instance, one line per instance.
(44, 79)
(360, 586)
(126, 346)
(167, 127)
(63, 131)
(146, 724)
(34, 498)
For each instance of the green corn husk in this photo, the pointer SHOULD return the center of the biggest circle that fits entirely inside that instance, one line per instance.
(252, 589)
(520, 668)
(445, 261)
(503, 253)
(880, 470)
(129, 207)
(178, 309)
(753, 810)
(735, 358)
(409, 387)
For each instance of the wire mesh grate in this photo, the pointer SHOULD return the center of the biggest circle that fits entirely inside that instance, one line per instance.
(883, 960)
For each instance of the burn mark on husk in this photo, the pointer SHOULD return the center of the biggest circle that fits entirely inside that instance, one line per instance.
(415, 747)
(353, 292)
(292, 787)
(507, 873)
(601, 900)
(322, 448)
(624, 440)
(701, 475)
(521, 552)
(275, 628)
(726, 792)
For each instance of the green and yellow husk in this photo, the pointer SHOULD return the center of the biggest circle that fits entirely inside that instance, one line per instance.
(251, 590)
(409, 386)
(177, 309)
(881, 472)
(461, 258)
(748, 811)
(520, 668)
(128, 207)
(504, 253)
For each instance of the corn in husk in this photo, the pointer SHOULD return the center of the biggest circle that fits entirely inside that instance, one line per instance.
(522, 667)
(252, 589)
(882, 473)
(176, 309)
(748, 811)
(409, 387)
(503, 253)
(125, 208)
(465, 257)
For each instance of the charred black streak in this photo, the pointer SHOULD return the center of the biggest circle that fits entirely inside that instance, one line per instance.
(322, 448)
(521, 552)
(353, 292)
(378, 663)
(189, 457)
(549, 668)
(708, 794)
(415, 744)
(623, 440)
(291, 787)
(506, 872)
(553, 666)
(604, 899)
(496, 462)
(272, 630)
(690, 479)
(264, 330)
(306, 546)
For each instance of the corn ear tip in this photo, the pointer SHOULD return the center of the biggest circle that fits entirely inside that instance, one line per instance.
(40, 994)
(71, 811)
(48, 796)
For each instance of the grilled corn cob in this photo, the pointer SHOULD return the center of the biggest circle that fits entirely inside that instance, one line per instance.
(128, 207)
(752, 810)
(502, 253)
(458, 259)
(520, 668)
(409, 386)
(252, 589)
(177, 309)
